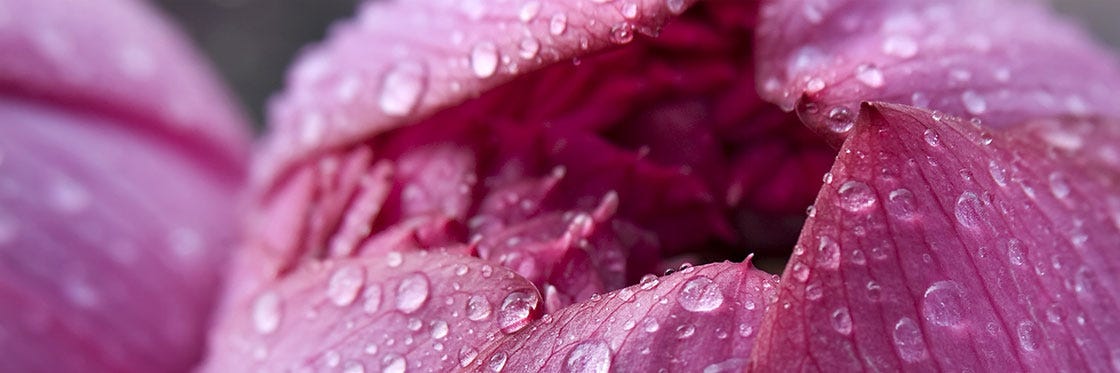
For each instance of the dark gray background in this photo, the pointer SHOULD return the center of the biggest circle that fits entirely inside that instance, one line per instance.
(252, 41)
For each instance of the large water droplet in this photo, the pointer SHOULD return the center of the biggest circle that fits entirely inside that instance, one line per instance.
(413, 292)
(840, 119)
(974, 103)
(484, 59)
(856, 196)
(902, 204)
(828, 253)
(345, 284)
(402, 87)
(590, 357)
(968, 210)
(942, 305)
(516, 309)
(267, 312)
(1028, 335)
(558, 24)
(700, 294)
(908, 340)
(842, 321)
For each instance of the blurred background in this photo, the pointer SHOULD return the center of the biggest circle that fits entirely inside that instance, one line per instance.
(251, 42)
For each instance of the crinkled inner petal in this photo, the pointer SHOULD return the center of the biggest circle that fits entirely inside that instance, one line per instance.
(939, 245)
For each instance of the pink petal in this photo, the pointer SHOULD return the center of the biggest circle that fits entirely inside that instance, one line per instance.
(424, 311)
(122, 59)
(1002, 61)
(398, 62)
(700, 318)
(939, 246)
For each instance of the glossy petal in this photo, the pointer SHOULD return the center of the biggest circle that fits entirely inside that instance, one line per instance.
(939, 246)
(426, 311)
(700, 318)
(999, 60)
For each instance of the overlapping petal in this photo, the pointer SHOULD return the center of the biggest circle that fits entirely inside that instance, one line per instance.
(942, 245)
(1002, 61)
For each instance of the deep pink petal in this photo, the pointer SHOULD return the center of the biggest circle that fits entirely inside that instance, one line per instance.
(700, 318)
(425, 311)
(1001, 61)
(939, 246)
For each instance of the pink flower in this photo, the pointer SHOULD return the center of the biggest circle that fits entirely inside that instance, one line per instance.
(488, 186)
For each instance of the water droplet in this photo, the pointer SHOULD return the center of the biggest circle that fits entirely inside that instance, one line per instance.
(648, 281)
(840, 119)
(484, 59)
(630, 10)
(478, 308)
(700, 294)
(968, 210)
(900, 46)
(985, 138)
(439, 329)
(908, 340)
(558, 24)
(267, 312)
(373, 299)
(394, 364)
(401, 88)
(650, 325)
(675, 6)
(622, 33)
(1028, 335)
(344, 285)
(516, 309)
(800, 271)
(333, 358)
(745, 330)
(931, 138)
(1058, 185)
(1016, 252)
(858, 258)
(974, 103)
(413, 292)
(467, 356)
(828, 253)
(354, 367)
(814, 85)
(497, 362)
(870, 75)
(394, 259)
(901, 204)
(856, 196)
(685, 331)
(842, 321)
(942, 304)
(529, 11)
(813, 291)
(874, 291)
(589, 357)
(528, 48)
(999, 174)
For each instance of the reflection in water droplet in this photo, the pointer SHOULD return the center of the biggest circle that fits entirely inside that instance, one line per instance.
(942, 304)
(700, 294)
(591, 357)
(412, 292)
(908, 340)
(401, 88)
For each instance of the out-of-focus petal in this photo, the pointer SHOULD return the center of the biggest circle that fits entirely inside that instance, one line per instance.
(419, 311)
(699, 319)
(937, 245)
(1003, 61)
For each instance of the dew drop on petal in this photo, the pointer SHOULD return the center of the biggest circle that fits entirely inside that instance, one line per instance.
(516, 308)
(650, 325)
(856, 196)
(590, 357)
(942, 304)
(558, 24)
(267, 312)
(484, 59)
(439, 329)
(900, 46)
(998, 172)
(1059, 186)
(394, 259)
(902, 204)
(828, 253)
(968, 210)
(401, 88)
(648, 281)
(1016, 253)
(467, 356)
(800, 271)
(842, 321)
(931, 138)
(840, 119)
(478, 308)
(345, 284)
(413, 292)
(372, 296)
(630, 10)
(497, 362)
(909, 341)
(394, 364)
(700, 294)
(528, 48)
(1028, 335)
(685, 331)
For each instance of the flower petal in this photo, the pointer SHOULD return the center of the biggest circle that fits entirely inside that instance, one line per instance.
(1000, 60)
(398, 62)
(939, 246)
(119, 58)
(427, 311)
(699, 318)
